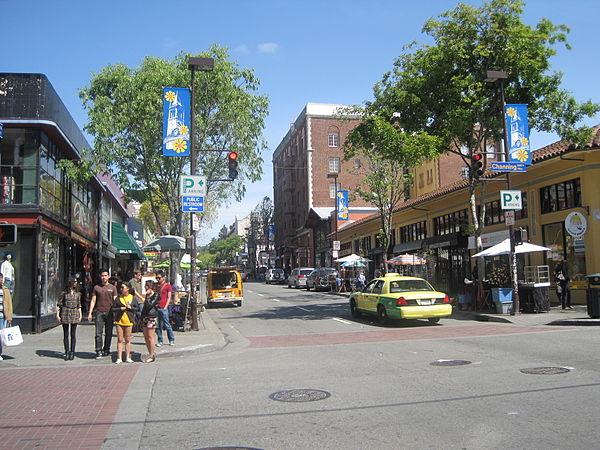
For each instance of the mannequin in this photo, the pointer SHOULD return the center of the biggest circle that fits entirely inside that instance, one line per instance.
(8, 271)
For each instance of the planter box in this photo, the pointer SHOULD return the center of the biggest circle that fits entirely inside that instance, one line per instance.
(503, 308)
(502, 295)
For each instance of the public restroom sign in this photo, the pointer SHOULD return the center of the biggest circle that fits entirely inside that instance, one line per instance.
(517, 128)
(176, 121)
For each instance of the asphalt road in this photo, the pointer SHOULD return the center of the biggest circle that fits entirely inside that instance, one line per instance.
(381, 388)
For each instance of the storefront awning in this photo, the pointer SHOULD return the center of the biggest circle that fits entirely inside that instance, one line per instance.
(124, 243)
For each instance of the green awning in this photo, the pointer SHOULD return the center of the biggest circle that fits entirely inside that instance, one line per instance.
(124, 242)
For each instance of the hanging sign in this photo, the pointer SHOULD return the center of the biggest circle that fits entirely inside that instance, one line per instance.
(176, 121)
(576, 224)
(342, 205)
(517, 129)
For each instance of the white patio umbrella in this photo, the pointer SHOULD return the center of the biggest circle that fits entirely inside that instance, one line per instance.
(352, 258)
(503, 248)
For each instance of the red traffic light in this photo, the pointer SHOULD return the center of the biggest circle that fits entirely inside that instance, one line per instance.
(232, 155)
(477, 156)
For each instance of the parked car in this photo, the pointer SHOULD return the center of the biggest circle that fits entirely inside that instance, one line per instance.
(275, 276)
(322, 279)
(398, 297)
(298, 276)
(245, 276)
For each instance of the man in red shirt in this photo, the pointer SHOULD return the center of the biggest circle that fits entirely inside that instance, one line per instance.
(165, 291)
(102, 301)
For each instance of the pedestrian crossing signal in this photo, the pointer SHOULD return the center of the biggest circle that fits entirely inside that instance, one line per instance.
(233, 165)
(8, 233)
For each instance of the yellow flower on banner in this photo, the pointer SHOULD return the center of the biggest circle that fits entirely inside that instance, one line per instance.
(511, 112)
(522, 155)
(183, 129)
(179, 146)
(170, 96)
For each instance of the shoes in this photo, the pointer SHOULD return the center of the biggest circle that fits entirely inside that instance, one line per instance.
(67, 356)
(564, 307)
(171, 343)
(150, 359)
(118, 361)
(105, 353)
(159, 344)
(1, 358)
(98, 355)
(129, 360)
(569, 307)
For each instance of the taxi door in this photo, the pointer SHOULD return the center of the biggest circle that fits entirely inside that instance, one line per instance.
(373, 298)
(362, 299)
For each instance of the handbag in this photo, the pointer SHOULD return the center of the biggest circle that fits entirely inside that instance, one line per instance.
(560, 276)
(11, 336)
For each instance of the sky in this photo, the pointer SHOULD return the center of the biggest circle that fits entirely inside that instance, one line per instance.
(323, 51)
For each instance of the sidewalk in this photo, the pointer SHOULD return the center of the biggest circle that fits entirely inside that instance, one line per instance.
(46, 349)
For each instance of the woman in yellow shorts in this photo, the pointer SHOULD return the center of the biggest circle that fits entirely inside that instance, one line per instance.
(124, 312)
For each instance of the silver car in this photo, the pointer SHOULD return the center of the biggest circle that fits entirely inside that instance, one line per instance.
(322, 279)
(275, 276)
(298, 276)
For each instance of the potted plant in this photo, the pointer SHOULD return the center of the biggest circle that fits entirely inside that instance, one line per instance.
(501, 290)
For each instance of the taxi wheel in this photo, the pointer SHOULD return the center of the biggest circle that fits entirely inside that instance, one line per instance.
(354, 310)
(433, 320)
(382, 315)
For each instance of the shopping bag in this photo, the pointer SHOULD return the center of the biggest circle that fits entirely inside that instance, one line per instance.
(11, 336)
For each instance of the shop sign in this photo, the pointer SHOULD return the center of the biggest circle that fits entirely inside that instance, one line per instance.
(83, 220)
(576, 224)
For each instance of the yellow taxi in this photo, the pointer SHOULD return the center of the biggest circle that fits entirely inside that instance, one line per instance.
(224, 285)
(395, 296)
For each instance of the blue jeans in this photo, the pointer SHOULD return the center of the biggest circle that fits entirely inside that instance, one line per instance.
(3, 324)
(163, 321)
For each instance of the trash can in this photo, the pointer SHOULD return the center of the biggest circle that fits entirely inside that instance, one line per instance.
(593, 295)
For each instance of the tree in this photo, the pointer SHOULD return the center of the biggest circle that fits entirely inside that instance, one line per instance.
(206, 260)
(223, 232)
(439, 89)
(225, 250)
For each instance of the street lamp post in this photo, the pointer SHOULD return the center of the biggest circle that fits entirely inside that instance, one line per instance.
(500, 76)
(334, 176)
(207, 65)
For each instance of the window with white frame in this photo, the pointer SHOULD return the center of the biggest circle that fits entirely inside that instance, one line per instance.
(334, 165)
(333, 139)
(333, 190)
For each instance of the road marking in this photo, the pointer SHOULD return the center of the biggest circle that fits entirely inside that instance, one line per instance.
(304, 309)
(342, 320)
(262, 295)
(276, 300)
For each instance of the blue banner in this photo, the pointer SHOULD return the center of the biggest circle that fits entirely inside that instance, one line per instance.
(271, 236)
(176, 121)
(517, 128)
(342, 205)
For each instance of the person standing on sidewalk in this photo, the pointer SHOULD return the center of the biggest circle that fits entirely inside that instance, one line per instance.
(124, 310)
(69, 314)
(561, 276)
(149, 318)
(165, 290)
(6, 308)
(102, 301)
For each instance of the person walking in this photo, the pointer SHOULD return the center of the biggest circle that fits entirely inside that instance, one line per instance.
(165, 290)
(562, 279)
(136, 286)
(149, 318)
(6, 308)
(103, 297)
(69, 315)
(124, 310)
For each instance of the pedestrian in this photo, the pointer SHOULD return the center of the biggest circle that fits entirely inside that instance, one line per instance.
(103, 297)
(124, 309)
(69, 315)
(149, 318)
(165, 291)
(136, 286)
(6, 308)
(562, 279)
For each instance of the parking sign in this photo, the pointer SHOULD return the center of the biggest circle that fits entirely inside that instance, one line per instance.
(511, 200)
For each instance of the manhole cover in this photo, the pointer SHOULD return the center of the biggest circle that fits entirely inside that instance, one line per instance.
(450, 362)
(545, 370)
(300, 395)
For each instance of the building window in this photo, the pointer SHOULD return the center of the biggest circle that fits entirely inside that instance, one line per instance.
(413, 232)
(561, 196)
(450, 223)
(333, 139)
(494, 214)
(334, 165)
(333, 190)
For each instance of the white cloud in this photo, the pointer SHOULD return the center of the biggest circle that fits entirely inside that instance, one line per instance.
(242, 49)
(268, 47)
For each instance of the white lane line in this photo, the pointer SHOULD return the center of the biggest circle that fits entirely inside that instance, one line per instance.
(262, 295)
(304, 309)
(248, 290)
(342, 320)
(276, 300)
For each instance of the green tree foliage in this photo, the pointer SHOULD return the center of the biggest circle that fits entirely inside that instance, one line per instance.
(440, 89)
(226, 249)
(206, 260)
(125, 117)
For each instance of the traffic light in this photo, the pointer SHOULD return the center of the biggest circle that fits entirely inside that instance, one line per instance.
(477, 165)
(233, 165)
(8, 233)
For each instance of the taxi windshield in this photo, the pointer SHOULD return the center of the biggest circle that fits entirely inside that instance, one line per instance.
(409, 285)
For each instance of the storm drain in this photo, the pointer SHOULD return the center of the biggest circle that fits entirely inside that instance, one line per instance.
(450, 362)
(300, 395)
(545, 370)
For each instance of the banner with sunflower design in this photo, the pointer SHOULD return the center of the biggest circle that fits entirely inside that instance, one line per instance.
(176, 121)
(517, 128)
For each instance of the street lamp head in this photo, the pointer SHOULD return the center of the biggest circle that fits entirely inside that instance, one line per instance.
(204, 64)
(495, 75)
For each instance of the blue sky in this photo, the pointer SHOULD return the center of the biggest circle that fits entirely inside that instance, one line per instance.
(310, 51)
